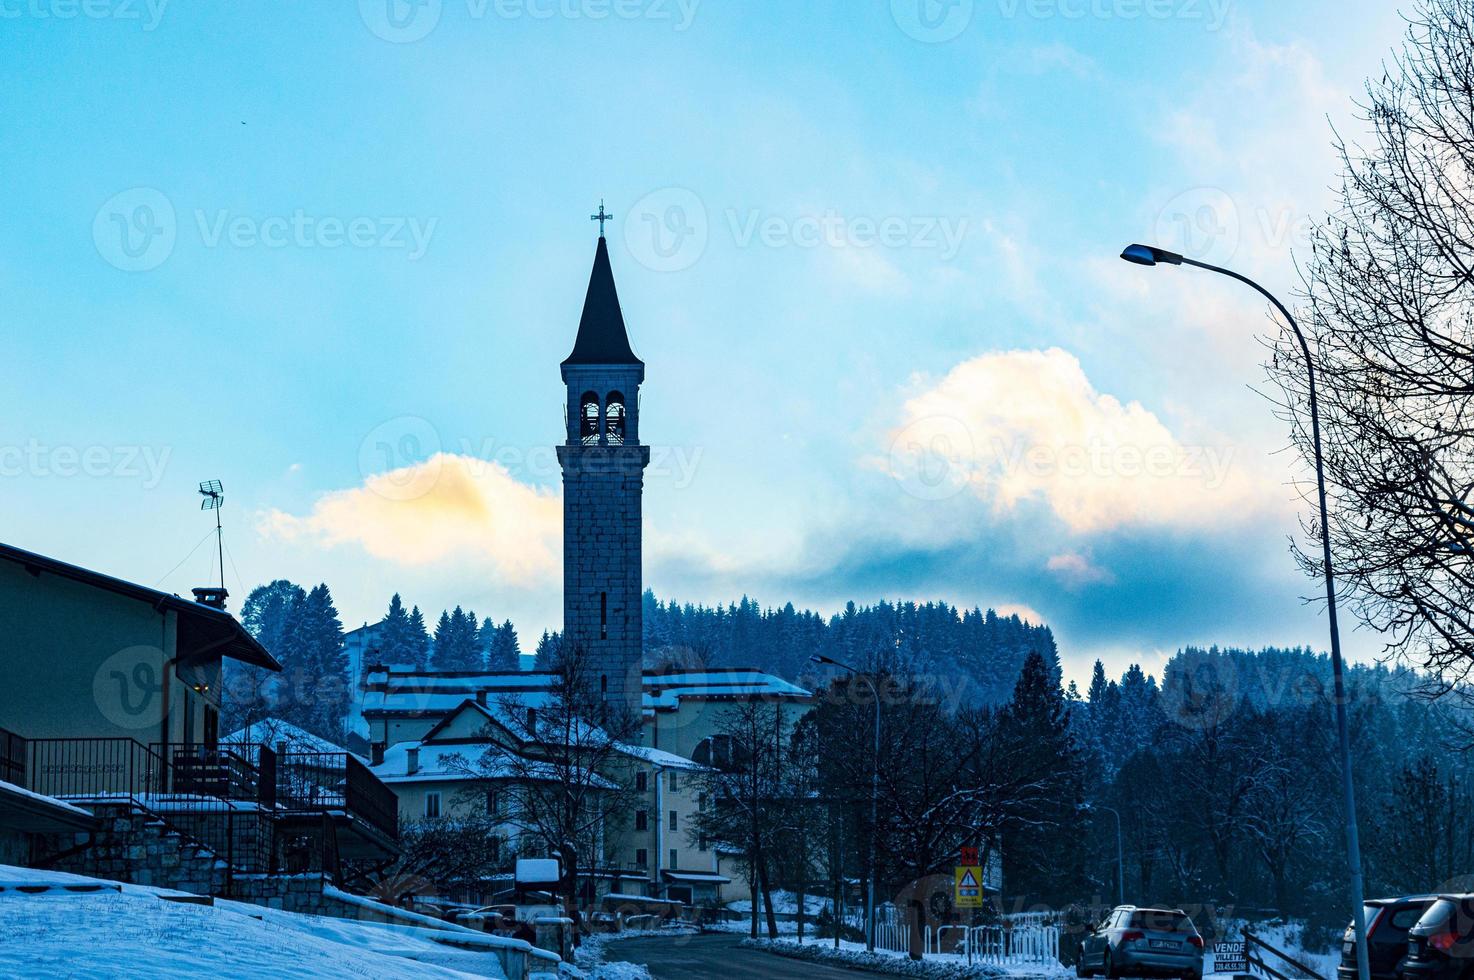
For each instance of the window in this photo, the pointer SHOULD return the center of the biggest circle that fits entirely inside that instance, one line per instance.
(493, 803)
(614, 419)
(642, 858)
(603, 683)
(432, 805)
(703, 842)
(675, 820)
(674, 863)
(642, 782)
(642, 820)
(532, 721)
(589, 419)
(603, 615)
(673, 783)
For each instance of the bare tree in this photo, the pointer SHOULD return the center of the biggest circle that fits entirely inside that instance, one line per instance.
(1389, 288)
(569, 765)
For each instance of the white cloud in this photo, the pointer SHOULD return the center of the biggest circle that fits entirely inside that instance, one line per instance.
(449, 509)
(1022, 426)
(1076, 570)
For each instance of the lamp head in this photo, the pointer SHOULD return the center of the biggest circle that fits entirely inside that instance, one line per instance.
(1150, 255)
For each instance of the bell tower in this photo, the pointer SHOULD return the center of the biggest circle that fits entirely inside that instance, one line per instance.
(603, 466)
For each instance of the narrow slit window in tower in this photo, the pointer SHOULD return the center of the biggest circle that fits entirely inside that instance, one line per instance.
(603, 615)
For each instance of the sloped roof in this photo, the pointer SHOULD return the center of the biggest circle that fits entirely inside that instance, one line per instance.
(272, 731)
(602, 338)
(202, 629)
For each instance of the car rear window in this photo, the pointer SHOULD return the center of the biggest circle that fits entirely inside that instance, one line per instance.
(1159, 920)
(1447, 915)
(1403, 919)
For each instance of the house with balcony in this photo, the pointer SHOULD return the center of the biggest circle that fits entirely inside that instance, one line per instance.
(112, 761)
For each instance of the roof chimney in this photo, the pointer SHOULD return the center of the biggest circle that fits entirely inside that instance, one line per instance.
(411, 761)
(376, 754)
(481, 697)
(211, 596)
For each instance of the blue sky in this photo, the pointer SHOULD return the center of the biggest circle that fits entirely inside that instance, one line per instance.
(332, 254)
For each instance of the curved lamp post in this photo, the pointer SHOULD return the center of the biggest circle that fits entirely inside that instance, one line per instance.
(874, 801)
(1120, 862)
(1150, 255)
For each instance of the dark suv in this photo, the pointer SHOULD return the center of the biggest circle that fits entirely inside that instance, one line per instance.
(1388, 921)
(1440, 946)
(1140, 942)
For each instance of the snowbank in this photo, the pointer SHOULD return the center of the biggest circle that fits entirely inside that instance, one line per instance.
(898, 964)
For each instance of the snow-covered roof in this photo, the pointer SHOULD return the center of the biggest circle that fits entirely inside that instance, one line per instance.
(659, 757)
(273, 732)
(433, 692)
(448, 762)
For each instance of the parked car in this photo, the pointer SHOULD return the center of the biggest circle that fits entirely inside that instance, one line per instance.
(1440, 945)
(1143, 942)
(1388, 921)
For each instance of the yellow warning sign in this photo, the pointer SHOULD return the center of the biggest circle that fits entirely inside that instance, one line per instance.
(969, 891)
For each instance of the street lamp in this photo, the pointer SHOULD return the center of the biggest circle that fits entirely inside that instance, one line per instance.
(1150, 255)
(1120, 864)
(874, 799)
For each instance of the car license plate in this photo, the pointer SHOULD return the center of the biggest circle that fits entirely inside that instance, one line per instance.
(1164, 944)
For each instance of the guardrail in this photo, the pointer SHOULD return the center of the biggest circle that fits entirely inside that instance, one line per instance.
(1255, 950)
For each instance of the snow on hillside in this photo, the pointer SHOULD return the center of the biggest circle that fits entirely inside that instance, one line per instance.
(107, 934)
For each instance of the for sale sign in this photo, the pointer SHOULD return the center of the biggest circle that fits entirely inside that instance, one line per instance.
(1228, 957)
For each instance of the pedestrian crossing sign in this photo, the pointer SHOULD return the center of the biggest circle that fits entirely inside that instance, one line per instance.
(969, 887)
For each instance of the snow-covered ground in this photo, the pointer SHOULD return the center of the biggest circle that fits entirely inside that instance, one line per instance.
(590, 955)
(784, 903)
(933, 967)
(134, 932)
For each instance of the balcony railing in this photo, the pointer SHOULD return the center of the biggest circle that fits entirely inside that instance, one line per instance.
(12, 758)
(325, 782)
(123, 772)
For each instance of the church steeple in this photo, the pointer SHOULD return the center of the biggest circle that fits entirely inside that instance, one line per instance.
(603, 462)
(602, 338)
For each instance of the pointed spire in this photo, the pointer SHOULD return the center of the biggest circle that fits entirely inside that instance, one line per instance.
(602, 338)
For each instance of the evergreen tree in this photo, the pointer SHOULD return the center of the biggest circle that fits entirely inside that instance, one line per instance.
(455, 642)
(419, 640)
(396, 641)
(546, 656)
(1041, 850)
(506, 653)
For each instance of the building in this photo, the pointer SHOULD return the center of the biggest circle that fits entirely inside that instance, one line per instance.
(87, 655)
(110, 754)
(603, 465)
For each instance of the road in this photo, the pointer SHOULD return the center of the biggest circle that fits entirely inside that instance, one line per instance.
(715, 956)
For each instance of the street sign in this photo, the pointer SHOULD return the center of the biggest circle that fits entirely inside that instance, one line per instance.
(969, 888)
(969, 857)
(1228, 957)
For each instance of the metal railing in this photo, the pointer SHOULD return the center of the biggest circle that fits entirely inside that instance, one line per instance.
(122, 772)
(328, 781)
(1008, 944)
(12, 758)
(1285, 968)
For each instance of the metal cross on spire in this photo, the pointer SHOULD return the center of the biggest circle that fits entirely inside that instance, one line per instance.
(601, 217)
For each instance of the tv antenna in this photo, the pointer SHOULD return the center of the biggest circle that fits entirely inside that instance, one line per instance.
(214, 493)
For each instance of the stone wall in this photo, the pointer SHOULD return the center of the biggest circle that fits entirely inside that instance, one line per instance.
(139, 849)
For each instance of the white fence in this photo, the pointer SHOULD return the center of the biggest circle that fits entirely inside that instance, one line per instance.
(1019, 941)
